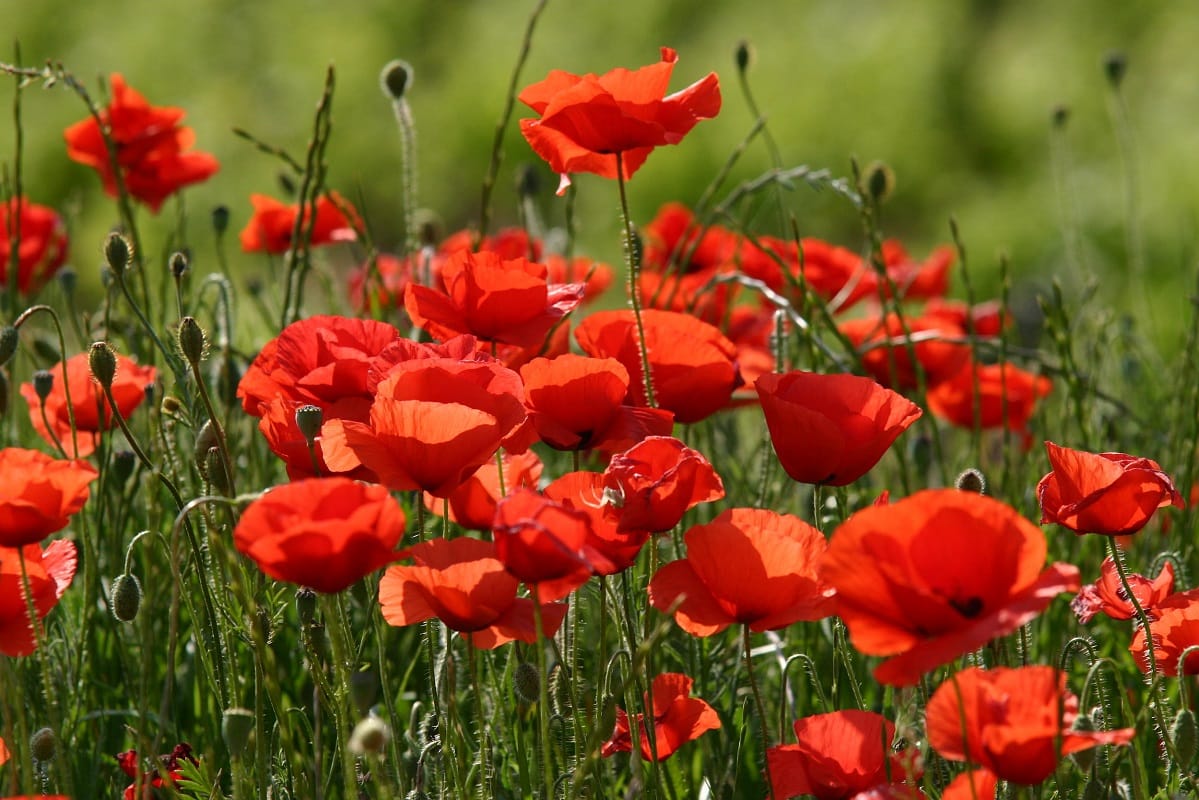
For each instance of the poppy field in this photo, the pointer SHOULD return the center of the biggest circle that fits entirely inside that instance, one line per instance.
(757, 511)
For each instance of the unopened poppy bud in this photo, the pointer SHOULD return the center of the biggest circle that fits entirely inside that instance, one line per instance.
(123, 462)
(43, 383)
(364, 688)
(395, 78)
(67, 279)
(306, 606)
(743, 56)
(178, 265)
(205, 441)
(102, 361)
(370, 737)
(526, 682)
(192, 342)
(43, 745)
(220, 219)
(972, 480)
(9, 339)
(879, 181)
(560, 691)
(1084, 758)
(428, 227)
(1185, 736)
(1115, 65)
(171, 405)
(125, 597)
(1060, 115)
(528, 181)
(607, 718)
(214, 470)
(236, 726)
(309, 420)
(118, 253)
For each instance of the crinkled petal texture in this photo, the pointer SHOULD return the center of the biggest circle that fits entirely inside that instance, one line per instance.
(585, 120)
(678, 719)
(50, 572)
(91, 409)
(433, 422)
(584, 492)
(831, 429)
(273, 222)
(462, 583)
(544, 543)
(43, 244)
(39, 494)
(656, 481)
(936, 575)
(837, 755)
(508, 301)
(1175, 629)
(1108, 493)
(692, 365)
(322, 533)
(1010, 721)
(1107, 596)
(748, 566)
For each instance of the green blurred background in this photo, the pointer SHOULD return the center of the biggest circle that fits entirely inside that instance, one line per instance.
(956, 96)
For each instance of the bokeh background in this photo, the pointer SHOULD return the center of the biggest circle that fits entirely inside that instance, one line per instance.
(957, 96)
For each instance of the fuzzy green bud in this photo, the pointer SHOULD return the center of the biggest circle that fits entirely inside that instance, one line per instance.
(395, 79)
(68, 280)
(43, 384)
(9, 339)
(972, 480)
(43, 745)
(205, 441)
(743, 55)
(878, 181)
(370, 737)
(192, 341)
(309, 420)
(178, 264)
(123, 462)
(364, 688)
(528, 181)
(171, 405)
(220, 219)
(306, 606)
(607, 717)
(526, 682)
(1115, 66)
(236, 726)
(1060, 115)
(1084, 758)
(102, 361)
(560, 691)
(1185, 735)
(125, 597)
(214, 470)
(118, 253)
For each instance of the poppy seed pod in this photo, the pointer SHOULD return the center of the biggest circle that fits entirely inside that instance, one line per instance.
(526, 682)
(309, 420)
(192, 341)
(743, 56)
(43, 383)
(125, 598)
(118, 253)
(236, 726)
(395, 78)
(43, 745)
(220, 219)
(178, 264)
(972, 480)
(102, 362)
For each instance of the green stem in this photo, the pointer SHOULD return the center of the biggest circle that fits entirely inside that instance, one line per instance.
(633, 264)
(543, 704)
(340, 689)
(761, 708)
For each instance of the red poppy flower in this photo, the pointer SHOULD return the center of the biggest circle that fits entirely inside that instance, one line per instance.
(462, 583)
(50, 572)
(1175, 628)
(472, 504)
(974, 784)
(675, 242)
(748, 566)
(678, 718)
(39, 494)
(507, 243)
(891, 365)
(152, 778)
(1108, 493)
(985, 319)
(42, 248)
(1005, 397)
(1016, 723)
(323, 533)
(384, 283)
(692, 364)
(1107, 596)
(654, 482)
(917, 280)
(936, 575)
(497, 300)
(692, 294)
(153, 149)
(577, 403)
(836, 274)
(544, 543)
(92, 412)
(271, 226)
(831, 429)
(433, 422)
(595, 276)
(586, 120)
(837, 755)
(584, 492)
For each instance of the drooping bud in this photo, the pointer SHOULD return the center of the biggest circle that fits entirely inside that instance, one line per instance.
(1185, 736)
(9, 339)
(118, 253)
(178, 264)
(3, 392)
(125, 597)
(192, 341)
(309, 420)
(1084, 758)
(370, 737)
(43, 383)
(526, 682)
(102, 361)
(972, 480)
(43, 745)
(395, 79)
(236, 726)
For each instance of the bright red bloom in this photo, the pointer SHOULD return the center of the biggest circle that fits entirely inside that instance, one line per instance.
(1005, 397)
(584, 492)
(586, 120)
(974, 784)
(92, 412)
(577, 403)
(153, 149)
(936, 575)
(1175, 628)
(472, 504)
(152, 779)
(691, 294)
(1016, 723)
(654, 482)
(595, 276)
(1107, 596)
(891, 365)
(39, 494)
(678, 718)
(693, 366)
(837, 755)
(433, 422)
(497, 300)
(986, 319)
(748, 566)
(831, 429)
(917, 280)
(1108, 493)
(42, 248)
(675, 242)
(323, 533)
(836, 274)
(544, 543)
(50, 572)
(462, 583)
(273, 222)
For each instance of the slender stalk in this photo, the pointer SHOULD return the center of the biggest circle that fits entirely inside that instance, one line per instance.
(543, 704)
(761, 708)
(633, 266)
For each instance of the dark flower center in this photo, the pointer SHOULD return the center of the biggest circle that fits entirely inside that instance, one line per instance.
(969, 607)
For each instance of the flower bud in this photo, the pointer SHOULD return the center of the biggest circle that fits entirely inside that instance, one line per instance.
(370, 737)
(1060, 115)
(9, 339)
(67, 279)
(123, 462)
(102, 361)
(878, 181)
(118, 253)
(309, 420)
(43, 745)
(743, 56)
(178, 264)
(236, 726)
(607, 717)
(205, 441)
(306, 606)
(395, 79)
(1115, 65)
(43, 383)
(528, 181)
(560, 691)
(972, 480)
(526, 682)
(214, 471)
(125, 597)
(220, 219)
(1185, 737)
(171, 405)
(192, 342)
(364, 688)
(1084, 758)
